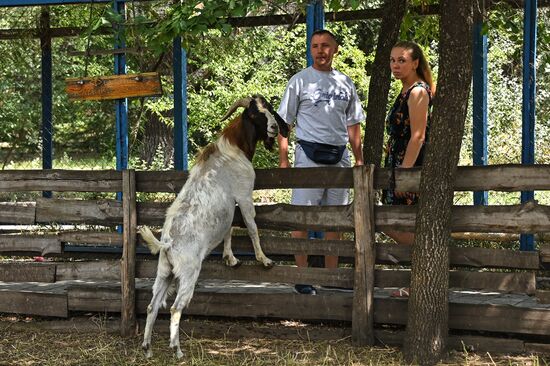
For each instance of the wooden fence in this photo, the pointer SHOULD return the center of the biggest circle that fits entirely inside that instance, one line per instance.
(502, 271)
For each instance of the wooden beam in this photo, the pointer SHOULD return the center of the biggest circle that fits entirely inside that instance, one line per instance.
(33, 303)
(39, 244)
(114, 86)
(27, 272)
(20, 213)
(60, 180)
(128, 262)
(363, 295)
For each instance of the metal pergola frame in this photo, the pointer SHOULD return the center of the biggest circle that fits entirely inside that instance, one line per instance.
(315, 19)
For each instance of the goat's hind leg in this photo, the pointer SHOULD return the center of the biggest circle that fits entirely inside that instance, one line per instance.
(248, 212)
(160, 289)
(186, 287)
(228, 256)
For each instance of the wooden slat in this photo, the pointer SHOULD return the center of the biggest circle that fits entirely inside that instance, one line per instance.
(103, 212)
(114, 86)
(341, 277)
(27, 272)
(33, 303)
(526, 218)
(543, 296)
(365, 255)
(90, 237)
(104, 270)
(40, 244)
(508, 178)
(20, 213)
(128, 262)
(304, 178)
(544, 253)
(471, 257)
(60, 180)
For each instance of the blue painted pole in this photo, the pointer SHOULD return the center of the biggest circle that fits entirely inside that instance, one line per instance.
(46, 71)
(180, 105)
(527, 241)
(479, 133)
(315, 20)
(121, 105)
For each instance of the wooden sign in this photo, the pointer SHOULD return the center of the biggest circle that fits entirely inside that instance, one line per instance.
(114, 86)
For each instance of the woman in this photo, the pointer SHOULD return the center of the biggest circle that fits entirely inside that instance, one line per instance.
(408, 122)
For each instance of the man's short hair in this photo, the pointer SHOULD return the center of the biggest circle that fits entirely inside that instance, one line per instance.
(324, 31)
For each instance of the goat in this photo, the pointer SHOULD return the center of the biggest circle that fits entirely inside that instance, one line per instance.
(202, 213)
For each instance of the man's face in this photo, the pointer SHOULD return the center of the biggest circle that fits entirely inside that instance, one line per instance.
(323, 49)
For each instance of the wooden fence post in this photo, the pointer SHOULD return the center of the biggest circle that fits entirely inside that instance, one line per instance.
(128, 263)
(363, 294)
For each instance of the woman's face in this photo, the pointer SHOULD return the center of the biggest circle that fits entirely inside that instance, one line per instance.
(401, 63)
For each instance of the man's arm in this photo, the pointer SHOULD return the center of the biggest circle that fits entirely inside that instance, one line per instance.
(283, 151)
(354, 132)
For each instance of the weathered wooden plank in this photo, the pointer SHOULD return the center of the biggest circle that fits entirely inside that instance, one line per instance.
(114, 86)
(91, 237)
(21, 213)
(33, 303)
(100, 270)
(540, 348)
(544, 253)
(525, 218)
(341, 277)
(519, 282)
(365, 256)
(60, 180)
(27, 272)
(508, 178)
(471, 257)
(543, 296)
(304, 178)
(128, 262)
(102, 212)
(42, 244)
(165, 181)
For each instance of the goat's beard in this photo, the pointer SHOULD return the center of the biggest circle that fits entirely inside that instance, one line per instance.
(269, 142)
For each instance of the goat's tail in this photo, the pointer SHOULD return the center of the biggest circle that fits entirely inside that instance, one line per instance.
(152, 242)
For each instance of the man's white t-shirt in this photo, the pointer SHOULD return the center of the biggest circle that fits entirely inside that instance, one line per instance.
(321, 104)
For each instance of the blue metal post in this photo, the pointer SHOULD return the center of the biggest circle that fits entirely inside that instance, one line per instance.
(315, 20)
(46, 63)
(180, 105)
(527, 241)
(480, 104)
(121, 105)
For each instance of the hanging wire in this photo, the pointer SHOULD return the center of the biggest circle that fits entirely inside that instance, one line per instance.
(89, 41)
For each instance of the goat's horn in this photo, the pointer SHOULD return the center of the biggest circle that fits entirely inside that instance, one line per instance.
(244, 102)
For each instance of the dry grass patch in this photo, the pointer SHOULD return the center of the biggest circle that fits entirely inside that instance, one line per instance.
(21, 345)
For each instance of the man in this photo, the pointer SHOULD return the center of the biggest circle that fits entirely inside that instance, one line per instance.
(323, 105)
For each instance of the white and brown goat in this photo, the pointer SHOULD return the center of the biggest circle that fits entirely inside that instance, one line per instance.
(202, 214)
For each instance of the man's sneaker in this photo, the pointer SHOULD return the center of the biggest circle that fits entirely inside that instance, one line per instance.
(305, 289)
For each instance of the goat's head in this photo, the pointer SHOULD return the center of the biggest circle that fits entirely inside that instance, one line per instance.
(260, 114)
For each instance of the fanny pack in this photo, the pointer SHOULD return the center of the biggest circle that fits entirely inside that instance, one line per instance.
(322, 153)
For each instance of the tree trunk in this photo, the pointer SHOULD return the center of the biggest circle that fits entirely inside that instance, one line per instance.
(157, 137)
(428, 310)
(379, 85)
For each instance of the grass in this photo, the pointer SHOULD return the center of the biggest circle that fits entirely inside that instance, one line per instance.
(21, 345)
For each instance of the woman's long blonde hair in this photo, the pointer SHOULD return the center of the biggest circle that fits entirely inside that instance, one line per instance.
(423, 70)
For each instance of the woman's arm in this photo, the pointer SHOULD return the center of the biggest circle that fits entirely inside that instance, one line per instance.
(418, 115)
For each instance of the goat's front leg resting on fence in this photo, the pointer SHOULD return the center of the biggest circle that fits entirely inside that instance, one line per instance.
(248, 212)
(228, 257)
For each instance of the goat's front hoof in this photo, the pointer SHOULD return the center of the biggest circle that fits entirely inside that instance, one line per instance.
(231, 262)
(179, 353)
(268, 263)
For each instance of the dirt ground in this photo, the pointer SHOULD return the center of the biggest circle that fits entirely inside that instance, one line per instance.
(24, 342)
